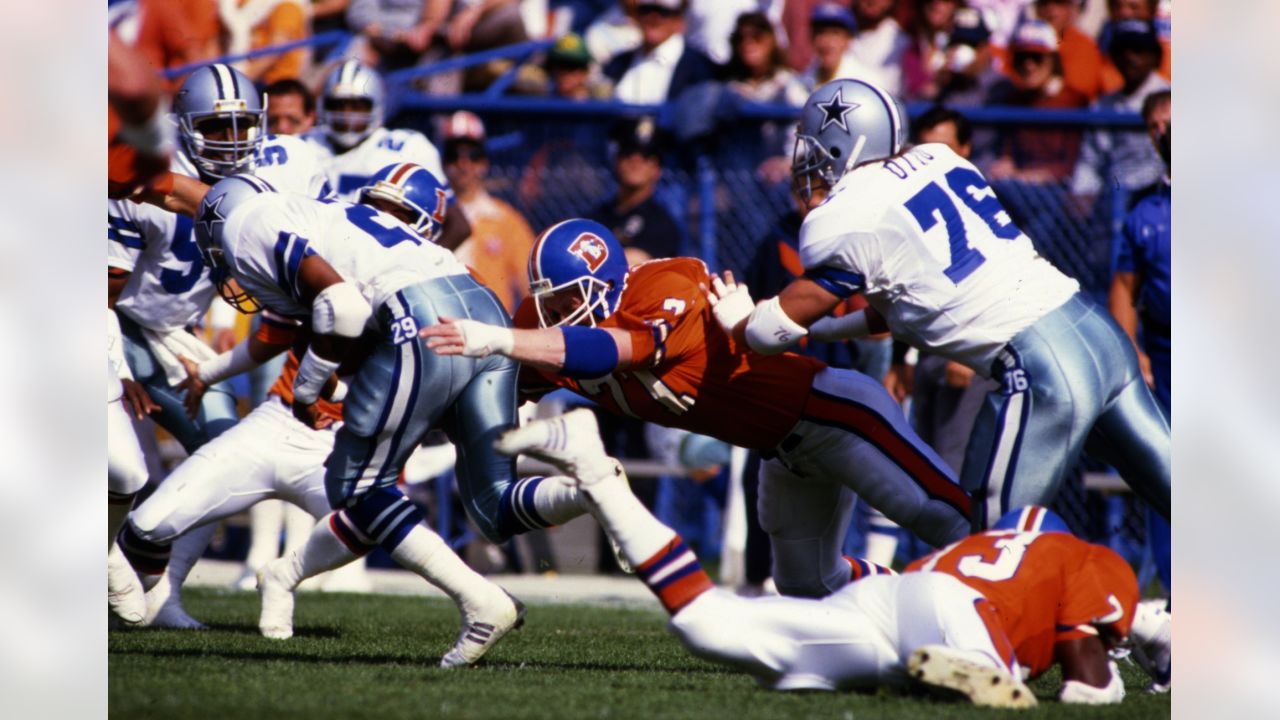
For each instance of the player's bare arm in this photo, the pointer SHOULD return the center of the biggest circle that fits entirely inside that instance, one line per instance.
(552, 349)
(1122, 301)
(338, 316)
(1088, 675)
(245, 356)
(456, 230)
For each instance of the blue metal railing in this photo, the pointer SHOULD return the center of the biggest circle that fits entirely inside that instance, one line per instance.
(333, 37)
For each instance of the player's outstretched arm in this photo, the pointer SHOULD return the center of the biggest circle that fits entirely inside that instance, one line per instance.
(779, 322)
(574, 351)
(1088, 675)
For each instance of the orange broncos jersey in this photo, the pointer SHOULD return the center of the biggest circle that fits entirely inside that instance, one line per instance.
(686, 371)
(126, 170)
(279, 333)
(1045, 587)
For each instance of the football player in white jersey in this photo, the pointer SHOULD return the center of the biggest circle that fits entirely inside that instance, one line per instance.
(365, 282)
(922, 235)
(349, 125)
(157, 281)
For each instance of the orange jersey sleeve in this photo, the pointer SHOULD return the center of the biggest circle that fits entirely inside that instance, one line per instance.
(686, 372)
(1045, 587)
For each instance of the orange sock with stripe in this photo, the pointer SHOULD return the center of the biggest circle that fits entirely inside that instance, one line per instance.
(674, 575)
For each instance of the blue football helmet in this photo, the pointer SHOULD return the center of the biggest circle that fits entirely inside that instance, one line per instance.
(218, 101)
(351, 81)
(844, 124)
(1032, 518)
(211, 219)
(576, 271)
(415, 190)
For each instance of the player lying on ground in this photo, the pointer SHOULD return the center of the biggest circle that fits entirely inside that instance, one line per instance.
(943, 267)
(644, 343)
(973, 617)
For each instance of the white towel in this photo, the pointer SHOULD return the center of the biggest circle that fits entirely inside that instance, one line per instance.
(166, 346)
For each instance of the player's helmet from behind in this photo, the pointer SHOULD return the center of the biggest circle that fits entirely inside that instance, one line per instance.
(576, 271)
(211, 221)
(421, 197)
(844, 124)
(352, 104)
(221, 120)
(1032, 518)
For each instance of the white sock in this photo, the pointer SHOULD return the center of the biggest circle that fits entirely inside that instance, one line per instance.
(265, 521)
(298, 524)
(557, 499)
(322, 551)
(881, 548)
(626, 519)
(425, 553)
(186, 550)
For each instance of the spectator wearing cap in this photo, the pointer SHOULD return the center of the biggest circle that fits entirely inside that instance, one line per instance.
(879, 43)
(1081, 59)
(1118, 10)
(501, 238)
(664, 65)
(569, 70)
(831, 29)
(643, 226)
(1128, 157)
(926, 57)
(1036, 154)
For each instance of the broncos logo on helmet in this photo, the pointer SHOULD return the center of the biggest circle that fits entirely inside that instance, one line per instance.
(420, 199)
(576, 272)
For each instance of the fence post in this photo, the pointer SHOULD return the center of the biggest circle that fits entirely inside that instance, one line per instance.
(707, 246)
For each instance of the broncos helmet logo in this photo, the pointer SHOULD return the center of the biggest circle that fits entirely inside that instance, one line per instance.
(591, 249)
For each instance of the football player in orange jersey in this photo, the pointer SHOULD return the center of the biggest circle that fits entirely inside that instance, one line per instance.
(961, 619)
(644, 342)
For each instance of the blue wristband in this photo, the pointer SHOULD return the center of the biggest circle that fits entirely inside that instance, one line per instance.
(588, 352)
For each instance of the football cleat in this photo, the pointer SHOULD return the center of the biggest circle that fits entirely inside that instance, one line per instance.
(125, 597)
(164, 608)
(1152, 640)
(276, 619)
(570, 442)
(986, 686)
(483, 630)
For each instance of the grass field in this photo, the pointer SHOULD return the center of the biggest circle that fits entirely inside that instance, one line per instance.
(374, 656)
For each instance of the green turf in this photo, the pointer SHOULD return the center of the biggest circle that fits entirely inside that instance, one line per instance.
(374, 657)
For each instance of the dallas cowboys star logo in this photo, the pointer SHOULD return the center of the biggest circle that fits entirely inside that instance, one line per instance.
(210, 215)
(835, 110)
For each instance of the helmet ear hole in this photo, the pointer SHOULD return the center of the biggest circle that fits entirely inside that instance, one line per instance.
(836, 152)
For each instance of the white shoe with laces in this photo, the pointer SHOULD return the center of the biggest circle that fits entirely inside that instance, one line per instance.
(125, 597)
(276, 618)
(1152, 640)
(943, 667)
(483, 629)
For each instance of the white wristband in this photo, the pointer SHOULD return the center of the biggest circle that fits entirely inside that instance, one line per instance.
(340, 310)
(313, 373)
(228, 364)
(846, 327)
(339, 391)
(769, 331)
(481, 340)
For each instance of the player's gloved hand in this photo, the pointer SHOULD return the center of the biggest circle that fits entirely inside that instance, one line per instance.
(467, 338)
(730, 302)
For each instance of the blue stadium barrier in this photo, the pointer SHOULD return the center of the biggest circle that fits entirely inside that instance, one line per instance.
(333, 37)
